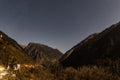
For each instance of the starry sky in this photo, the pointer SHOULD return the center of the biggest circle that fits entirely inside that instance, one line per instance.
(59, 24)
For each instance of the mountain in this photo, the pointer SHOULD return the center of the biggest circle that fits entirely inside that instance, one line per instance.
(23, 46)
(11, 52)
(41, 53)
(95, 48)
(16, 64)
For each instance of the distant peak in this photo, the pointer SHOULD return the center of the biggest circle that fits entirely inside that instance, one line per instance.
(35, 44)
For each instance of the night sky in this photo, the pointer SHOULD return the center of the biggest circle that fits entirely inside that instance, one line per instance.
(59, 24)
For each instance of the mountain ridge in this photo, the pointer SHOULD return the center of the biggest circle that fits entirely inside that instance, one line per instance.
(42, 53)
(92, 49)
(11, 53)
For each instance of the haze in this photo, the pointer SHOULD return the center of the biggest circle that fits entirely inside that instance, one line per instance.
(60, 24)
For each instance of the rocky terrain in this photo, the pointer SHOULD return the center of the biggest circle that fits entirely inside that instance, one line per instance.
(42, 54)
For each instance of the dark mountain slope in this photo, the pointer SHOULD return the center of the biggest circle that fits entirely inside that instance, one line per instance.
(94, 48)
(42, 53)
(11, 51)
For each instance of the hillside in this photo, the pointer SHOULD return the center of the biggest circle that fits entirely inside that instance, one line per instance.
(41, 53)
(11, 51)
(16, 63)
(95, 49)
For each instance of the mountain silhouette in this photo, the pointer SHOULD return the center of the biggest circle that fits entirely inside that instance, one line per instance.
(94, 48)
(41, 53)
(11, 52)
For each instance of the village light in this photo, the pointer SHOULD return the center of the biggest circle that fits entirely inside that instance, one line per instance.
(2, 68)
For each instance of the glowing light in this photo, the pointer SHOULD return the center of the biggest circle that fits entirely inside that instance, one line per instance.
(2, 68)
(3, 72)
